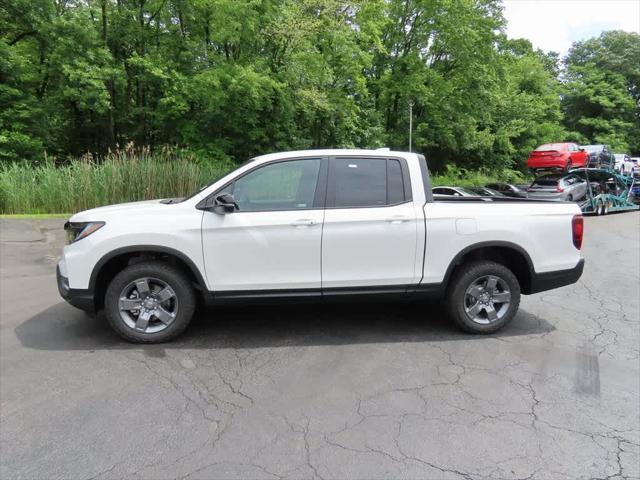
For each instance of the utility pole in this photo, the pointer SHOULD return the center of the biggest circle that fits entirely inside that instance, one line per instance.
(410, 122)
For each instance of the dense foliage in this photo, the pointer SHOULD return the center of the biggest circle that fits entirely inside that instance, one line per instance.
(230, 79)
(602, 92)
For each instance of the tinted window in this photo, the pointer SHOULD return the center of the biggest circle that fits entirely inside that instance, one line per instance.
(365, 182)
(592, 148)
(443, 191)
(546, 181)
(279, 186)
(395, 182)
(549, 147)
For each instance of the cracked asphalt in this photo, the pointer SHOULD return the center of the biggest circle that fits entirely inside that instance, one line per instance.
(346, 391)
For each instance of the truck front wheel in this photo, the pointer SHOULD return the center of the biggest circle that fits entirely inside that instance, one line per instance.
(149, 302)
(483, 296)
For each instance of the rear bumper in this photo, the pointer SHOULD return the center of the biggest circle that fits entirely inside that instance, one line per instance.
(541, 282)
(79, 298)
(547, 195)
(558, 162)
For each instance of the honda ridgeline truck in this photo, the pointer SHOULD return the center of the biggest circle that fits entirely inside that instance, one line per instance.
(317, 225)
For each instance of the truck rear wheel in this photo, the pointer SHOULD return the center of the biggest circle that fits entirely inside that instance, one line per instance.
(149, 302)
(483, 296)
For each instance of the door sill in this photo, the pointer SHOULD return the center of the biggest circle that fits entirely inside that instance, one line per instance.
(327, 294)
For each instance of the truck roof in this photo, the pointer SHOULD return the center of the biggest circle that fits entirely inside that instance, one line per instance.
(382, 152)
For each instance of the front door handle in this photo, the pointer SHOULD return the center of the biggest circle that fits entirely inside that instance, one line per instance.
(303, 222)
(398, 219)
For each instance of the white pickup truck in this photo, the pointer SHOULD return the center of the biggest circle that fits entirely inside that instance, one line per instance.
(317, 225)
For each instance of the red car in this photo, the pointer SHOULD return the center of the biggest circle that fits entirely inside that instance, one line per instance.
(558, 155)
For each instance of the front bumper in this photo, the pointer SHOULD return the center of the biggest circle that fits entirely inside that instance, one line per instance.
(79, 298)
(541, 282)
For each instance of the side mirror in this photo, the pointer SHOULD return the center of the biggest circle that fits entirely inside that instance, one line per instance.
(225, 203)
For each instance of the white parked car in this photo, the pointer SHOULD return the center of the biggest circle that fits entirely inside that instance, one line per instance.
(630, 166)
(317, 224)
(620, 159)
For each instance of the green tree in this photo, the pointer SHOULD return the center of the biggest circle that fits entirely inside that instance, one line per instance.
(526, 107)
(602, 90)
(232, 79)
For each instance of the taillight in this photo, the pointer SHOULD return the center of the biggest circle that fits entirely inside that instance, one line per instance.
(577, 229)
(559, 189)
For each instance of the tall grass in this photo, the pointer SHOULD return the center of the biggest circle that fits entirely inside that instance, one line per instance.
(122, 176)
(139, 174)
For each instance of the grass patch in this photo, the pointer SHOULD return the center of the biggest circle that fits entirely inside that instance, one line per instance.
(123, 176)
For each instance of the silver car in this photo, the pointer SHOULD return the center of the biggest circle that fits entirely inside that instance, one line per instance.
(570, 188)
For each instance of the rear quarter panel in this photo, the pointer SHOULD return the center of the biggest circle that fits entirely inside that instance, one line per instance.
(543, 230)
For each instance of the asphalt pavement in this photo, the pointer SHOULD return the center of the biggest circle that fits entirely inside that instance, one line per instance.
(334, 392)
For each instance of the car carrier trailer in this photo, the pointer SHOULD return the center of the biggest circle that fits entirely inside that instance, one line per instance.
(607, 191)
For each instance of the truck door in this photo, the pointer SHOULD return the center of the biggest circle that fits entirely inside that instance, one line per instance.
(369, 236)
(272, 242)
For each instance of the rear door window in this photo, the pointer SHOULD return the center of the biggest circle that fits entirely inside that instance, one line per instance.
(395, 182)
(366, 182)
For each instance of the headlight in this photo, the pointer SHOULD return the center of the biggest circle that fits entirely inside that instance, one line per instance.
(79, 230)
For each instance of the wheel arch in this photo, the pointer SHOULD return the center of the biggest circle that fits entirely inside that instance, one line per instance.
(113, 262)
(508, 254)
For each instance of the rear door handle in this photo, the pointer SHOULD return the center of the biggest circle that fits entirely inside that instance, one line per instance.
(303, 222)
(398, 219)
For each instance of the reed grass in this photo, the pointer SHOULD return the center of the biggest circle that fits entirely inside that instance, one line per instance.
(87, 182)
